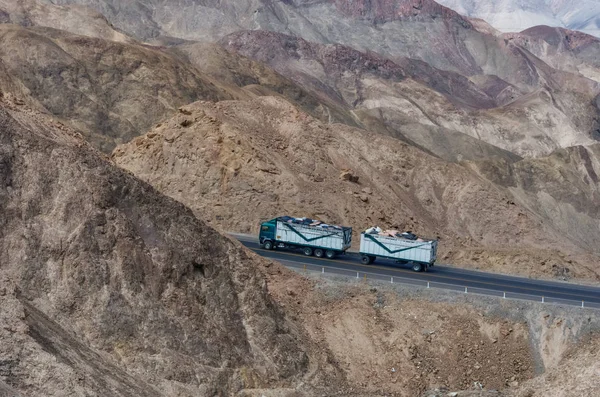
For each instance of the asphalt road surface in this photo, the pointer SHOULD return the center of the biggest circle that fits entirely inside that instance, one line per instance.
(438, 276)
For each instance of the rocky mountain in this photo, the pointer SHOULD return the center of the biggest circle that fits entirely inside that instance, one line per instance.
(110, 91)
(114, 91)
(236, 163)
(491, 89)
(75, 19)
(485, 98)
(109, 288)
(400, 113)
(391, 28)
(419, 29)
(515, 16)
(101, 284)
(514, 101)
(562, 49)
(547, 110)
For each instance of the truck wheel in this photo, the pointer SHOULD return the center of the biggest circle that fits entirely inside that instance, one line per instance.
(372, 259)
(268, 245)
(307, 251)
(319, 253)
(365, 260)
(329, 254)
(417, 267)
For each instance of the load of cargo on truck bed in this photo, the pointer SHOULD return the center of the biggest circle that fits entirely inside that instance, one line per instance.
(403, 247)
(392, 233)
(310, 235)
(308, 222)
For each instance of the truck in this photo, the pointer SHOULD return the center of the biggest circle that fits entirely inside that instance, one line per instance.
(419, 254)
(312, 237)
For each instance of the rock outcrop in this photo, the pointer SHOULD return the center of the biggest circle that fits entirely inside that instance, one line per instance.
(119, 289)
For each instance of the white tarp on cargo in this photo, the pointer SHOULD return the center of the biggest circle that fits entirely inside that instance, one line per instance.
(398, 248)
(314, 236)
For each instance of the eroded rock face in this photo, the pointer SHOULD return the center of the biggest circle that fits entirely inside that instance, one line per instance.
(98, 267)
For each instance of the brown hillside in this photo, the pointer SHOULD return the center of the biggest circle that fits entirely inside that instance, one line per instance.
(237, 163)
(110, 91)
(109, 288)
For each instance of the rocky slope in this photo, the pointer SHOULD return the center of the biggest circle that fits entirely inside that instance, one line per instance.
(231, 69)
(390, 343)
(401, 341)
(121, 290)
(475, 84)
(577, 374)
(109, 288)
(515, 16)
(563, 189)
(113, 91)
(75, 19)
(110, 91)
(546, 110)
(237, 163)
(563, 49)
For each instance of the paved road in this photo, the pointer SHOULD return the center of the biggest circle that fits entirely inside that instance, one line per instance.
(438, 276)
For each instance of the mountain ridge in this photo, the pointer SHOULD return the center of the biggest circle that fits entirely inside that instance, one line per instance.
(515, 16)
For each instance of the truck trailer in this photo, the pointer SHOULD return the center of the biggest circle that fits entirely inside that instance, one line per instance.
(311, 236)
(419, 254)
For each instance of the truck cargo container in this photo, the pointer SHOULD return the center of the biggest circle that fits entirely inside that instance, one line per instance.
(312, 237)
(419, 254)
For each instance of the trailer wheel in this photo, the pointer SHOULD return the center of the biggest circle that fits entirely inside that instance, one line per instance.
(307, 251)
(365, 260)
(268, 245)
(417, 267)
(329, 254)
(319, 253)
(372, 259)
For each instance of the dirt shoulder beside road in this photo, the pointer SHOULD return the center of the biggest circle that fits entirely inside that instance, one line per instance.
(401, 340)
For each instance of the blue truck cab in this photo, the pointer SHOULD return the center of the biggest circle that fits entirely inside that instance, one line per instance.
(266, 236)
